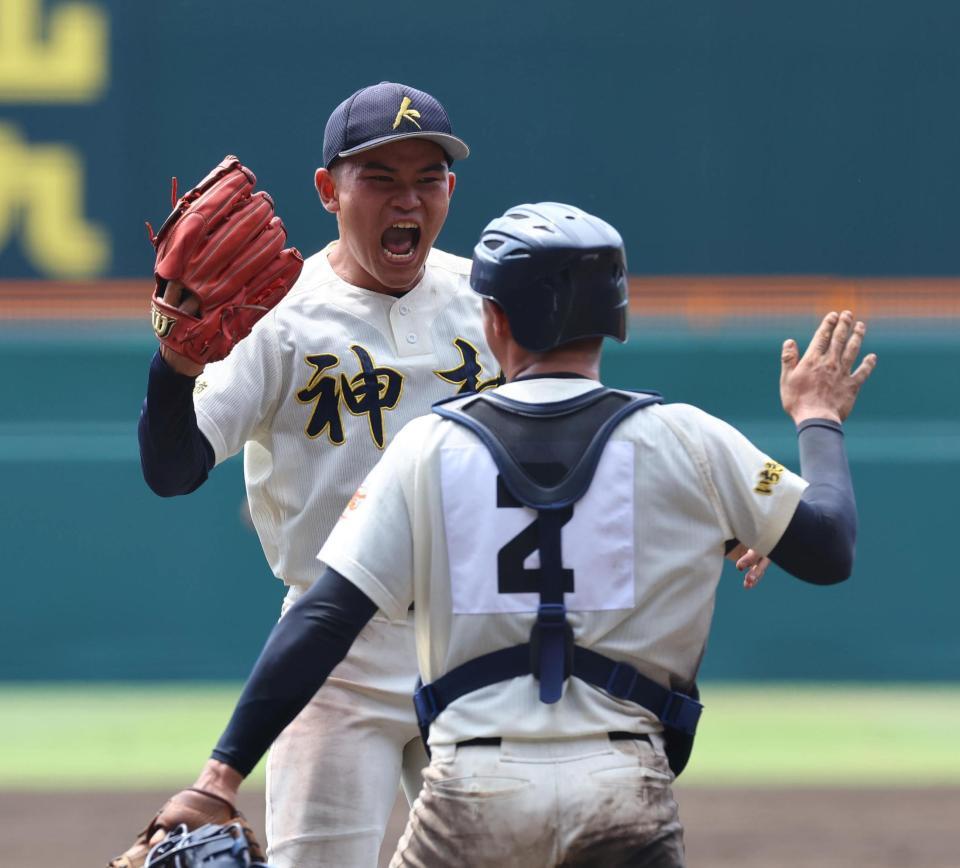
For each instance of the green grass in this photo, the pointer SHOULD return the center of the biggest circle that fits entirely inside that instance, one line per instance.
(828, 735)
(109, 736)
(64, 737)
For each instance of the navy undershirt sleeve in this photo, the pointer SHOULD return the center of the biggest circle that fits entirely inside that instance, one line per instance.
(304, 647)
(819, 543)
(174, 455)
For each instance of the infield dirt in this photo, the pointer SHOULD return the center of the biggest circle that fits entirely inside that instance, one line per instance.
(771, 828)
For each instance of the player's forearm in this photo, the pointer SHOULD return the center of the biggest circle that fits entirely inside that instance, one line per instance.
(818, 544)
(174, 455)
(303, 649)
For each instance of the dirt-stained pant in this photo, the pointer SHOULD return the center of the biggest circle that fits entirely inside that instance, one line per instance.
(332, 775)
(573, 802)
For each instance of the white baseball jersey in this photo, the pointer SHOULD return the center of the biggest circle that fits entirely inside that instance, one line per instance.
(645, 543)
(323, 382)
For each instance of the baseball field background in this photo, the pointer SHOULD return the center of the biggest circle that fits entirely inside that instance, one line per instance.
(764, 161)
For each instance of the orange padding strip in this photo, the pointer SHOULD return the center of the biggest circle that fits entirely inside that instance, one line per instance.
(716, 298)
(700, 298)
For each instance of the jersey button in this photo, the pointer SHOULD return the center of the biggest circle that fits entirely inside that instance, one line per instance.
(404, 310)
(411, 338)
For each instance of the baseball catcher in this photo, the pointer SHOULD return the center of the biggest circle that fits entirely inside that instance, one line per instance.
(224, 245)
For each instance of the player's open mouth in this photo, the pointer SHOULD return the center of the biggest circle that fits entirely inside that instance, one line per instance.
(400, 241)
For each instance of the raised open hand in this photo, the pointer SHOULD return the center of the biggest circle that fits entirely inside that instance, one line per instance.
(822, 384)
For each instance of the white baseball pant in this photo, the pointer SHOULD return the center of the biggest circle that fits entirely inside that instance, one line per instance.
(332, 775)
(525, 804)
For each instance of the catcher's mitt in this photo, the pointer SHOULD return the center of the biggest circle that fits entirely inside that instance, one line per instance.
(225, 245)
(191, 808)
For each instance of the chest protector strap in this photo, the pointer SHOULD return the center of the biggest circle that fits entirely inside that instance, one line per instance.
(547, 455)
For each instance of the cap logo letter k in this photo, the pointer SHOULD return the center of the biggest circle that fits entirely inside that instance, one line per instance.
(406, 113)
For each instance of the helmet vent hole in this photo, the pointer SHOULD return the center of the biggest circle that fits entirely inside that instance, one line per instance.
(570, 216)
(517, 254)
(543, 227)
(516, 216)
(492, 243)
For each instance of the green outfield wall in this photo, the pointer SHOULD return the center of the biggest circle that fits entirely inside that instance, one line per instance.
(726, 139)
(104, 580)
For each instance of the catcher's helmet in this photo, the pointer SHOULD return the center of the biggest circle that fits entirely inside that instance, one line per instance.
(209, 846)
(558, 273)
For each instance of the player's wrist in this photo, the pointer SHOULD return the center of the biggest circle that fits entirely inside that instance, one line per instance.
(180, 363)
(219, 779)
(803, 413)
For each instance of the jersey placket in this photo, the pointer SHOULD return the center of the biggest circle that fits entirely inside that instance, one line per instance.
(410, 319)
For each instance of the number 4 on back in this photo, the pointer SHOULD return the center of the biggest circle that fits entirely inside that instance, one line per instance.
(512, 576)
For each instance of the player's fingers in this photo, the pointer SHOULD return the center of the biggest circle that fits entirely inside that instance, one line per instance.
(172, 292)
(865, 369)
(749, 559)
(821, 337)
(789, 356)
(177, 295)
(852, 349)
(737, 552)
(157, 836)
(841, 332)
(755, 573)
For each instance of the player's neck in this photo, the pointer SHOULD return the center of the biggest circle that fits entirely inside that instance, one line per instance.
(350, 271)
(556, 362)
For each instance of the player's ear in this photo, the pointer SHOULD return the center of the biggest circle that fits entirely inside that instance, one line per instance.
(495, 322)
(451, 183)
(501, 324)
(326, 186)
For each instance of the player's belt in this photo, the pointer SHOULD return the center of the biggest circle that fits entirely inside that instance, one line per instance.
(621, 680)
(496, 740)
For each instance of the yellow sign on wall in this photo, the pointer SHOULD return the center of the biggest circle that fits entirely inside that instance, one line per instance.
(43, 185)
(58, 58)
(61, 60)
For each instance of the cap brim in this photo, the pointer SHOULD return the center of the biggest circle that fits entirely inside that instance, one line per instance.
(456, 148)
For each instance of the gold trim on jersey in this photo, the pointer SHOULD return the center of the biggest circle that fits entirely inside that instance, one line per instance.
(369, 393)
(318, 392)
(467, 373)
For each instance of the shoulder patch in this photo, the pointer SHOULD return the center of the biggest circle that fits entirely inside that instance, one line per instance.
(358, 497)
(768, 477)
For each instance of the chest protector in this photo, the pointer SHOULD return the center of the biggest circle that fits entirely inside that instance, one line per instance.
(547, 455)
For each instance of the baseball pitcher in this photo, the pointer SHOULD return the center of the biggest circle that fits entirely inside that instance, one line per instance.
(377, 327)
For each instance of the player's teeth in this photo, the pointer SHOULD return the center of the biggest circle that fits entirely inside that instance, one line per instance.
(400, 256)
(405, 226)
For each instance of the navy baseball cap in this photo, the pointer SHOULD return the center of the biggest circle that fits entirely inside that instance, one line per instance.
(383, 113)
